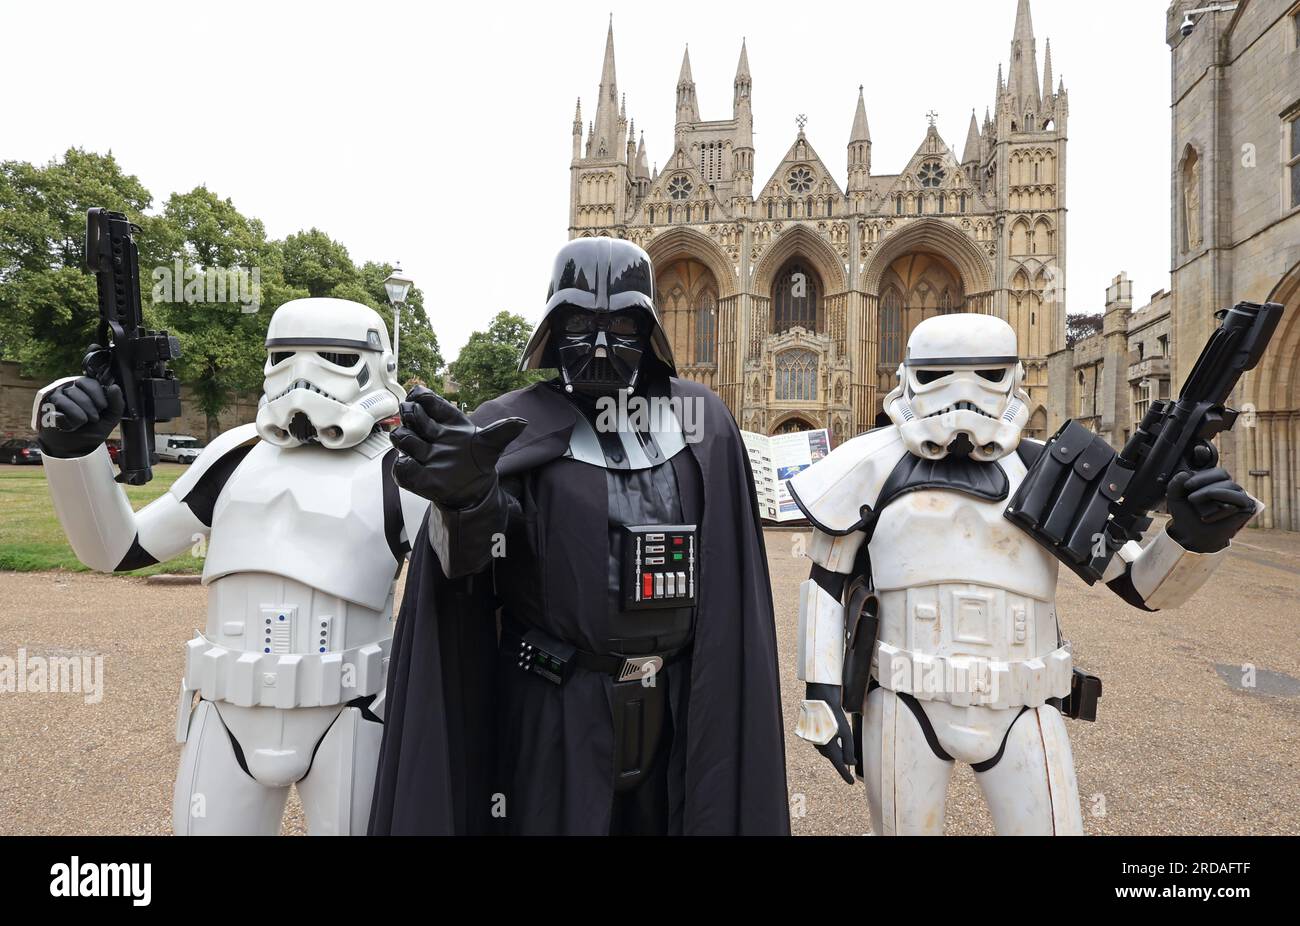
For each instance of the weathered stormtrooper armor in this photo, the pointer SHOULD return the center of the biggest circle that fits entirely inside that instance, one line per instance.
(305, 532)
(968, 662)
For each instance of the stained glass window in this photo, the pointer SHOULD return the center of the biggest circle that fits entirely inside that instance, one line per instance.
(795, 298)
(891, 328)
(796, 376)
(800, 180)
(931, 174)
(679, 187)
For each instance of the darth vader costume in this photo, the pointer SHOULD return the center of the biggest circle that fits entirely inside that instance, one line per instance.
(586, 644)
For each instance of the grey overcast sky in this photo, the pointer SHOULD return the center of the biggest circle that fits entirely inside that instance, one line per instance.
(439, 134)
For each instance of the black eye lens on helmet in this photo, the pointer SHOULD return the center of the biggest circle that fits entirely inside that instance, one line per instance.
(928, 376)
(580, 323)
(280, 356)
(625, 324)
(343, 360)
(993, 376)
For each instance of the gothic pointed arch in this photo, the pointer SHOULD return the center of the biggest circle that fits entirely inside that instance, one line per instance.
(801, 241)
(937, 236)
(688, 243)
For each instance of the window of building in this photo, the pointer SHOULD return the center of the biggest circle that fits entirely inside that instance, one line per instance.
(706, 328)
(898, 204)
(931, 174)
(795, 298)
(650, 214)
(1293, 161)
(789, 208)
(963, 202)
(679, 187)
(1163, 342)
(941, 203)
(771, 209)
(891, 328)
(706, 212)
(799, 180)
(920, 204)
(796, 376)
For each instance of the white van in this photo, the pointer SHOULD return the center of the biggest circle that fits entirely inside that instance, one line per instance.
(177, 448)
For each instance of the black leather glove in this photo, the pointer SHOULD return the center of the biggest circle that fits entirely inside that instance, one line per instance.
(78, 416)
(445, 457)
(840, 750)
(1207, 508)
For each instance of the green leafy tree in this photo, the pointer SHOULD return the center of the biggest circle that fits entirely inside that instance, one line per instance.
(488, 363)
(48, 308)
(419, 359)
(317, 263)
(222, 345)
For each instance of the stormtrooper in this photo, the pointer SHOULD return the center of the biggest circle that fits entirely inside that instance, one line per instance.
(930, 618)
(305, 532)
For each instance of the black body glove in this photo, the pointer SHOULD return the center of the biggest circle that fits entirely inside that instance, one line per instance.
(1207, 508)
(78, 416)
(840, 750)
(445, 457)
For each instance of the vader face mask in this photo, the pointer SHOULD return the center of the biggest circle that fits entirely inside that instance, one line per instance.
(959, 389)
(330, 375)
(600, 352)
(600, 328)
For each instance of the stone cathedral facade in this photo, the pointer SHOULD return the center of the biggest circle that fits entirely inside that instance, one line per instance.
(792, 296)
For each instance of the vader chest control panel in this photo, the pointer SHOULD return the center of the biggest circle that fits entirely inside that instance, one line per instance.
(659, 566)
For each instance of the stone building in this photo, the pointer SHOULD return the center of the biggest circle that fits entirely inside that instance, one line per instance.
(1235, 204)
(793, 296)
(1107, 380)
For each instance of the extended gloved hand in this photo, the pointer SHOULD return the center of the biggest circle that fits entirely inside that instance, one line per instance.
(1207, 508)
(445, 457)
(840, 748)
(78, 416)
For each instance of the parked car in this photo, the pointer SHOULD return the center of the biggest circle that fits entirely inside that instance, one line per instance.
(177, 448)
(20, 450)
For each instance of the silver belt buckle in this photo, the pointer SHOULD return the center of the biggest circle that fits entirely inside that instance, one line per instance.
(636, 667)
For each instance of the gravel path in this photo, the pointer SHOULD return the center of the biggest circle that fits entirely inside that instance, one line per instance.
(1179, 748)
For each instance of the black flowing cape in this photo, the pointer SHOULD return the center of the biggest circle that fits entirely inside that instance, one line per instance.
(437, 768)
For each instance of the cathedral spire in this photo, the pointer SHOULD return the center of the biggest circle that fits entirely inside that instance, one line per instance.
(1023, 80)
(687, 109)
(971, 151)
(606, 142)
(1047, 68)
(742, 84)
(861, 132)
(642, 171)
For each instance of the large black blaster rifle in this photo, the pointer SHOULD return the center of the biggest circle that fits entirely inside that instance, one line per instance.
(137, 358)
(1083, 501)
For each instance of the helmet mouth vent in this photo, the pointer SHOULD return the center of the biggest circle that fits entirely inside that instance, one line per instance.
(301, 428)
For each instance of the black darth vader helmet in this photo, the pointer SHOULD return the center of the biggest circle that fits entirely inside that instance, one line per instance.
(600, 328)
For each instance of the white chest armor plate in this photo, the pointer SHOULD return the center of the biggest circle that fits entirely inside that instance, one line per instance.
(967, 601)
(308, 514)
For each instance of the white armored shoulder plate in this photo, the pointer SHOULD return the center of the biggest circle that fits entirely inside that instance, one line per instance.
(833, 492)
(220, 446)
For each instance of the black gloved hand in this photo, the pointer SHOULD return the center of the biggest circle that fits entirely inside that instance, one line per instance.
(840, 750)
(445, 457)
(78, 416)
(1207, 508)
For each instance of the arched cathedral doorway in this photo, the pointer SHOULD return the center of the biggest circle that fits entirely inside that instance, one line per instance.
(687, 295)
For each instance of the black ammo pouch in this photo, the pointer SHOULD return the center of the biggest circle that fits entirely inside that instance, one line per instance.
(1081, 702)
(1065, 500)
(861, 621)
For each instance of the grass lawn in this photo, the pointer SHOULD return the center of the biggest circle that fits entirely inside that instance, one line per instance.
(31, 538)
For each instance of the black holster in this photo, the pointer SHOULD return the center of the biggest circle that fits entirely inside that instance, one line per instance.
(861, 621)
(1081, 702)
(638, 712)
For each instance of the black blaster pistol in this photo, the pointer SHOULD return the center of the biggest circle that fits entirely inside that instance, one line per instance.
(1083, 501)
(137, 359)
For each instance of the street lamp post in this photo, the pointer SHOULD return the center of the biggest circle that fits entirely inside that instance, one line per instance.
(397, 286)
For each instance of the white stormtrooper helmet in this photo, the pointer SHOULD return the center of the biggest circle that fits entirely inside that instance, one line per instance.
(330, 374)
(961, 379)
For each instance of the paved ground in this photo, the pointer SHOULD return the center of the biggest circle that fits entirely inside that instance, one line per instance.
(1180, 747)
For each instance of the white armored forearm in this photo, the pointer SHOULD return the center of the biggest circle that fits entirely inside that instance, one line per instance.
(1161, 575)
(821, 635)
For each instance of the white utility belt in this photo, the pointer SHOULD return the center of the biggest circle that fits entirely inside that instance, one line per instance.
(283, 680)
(975, 680)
